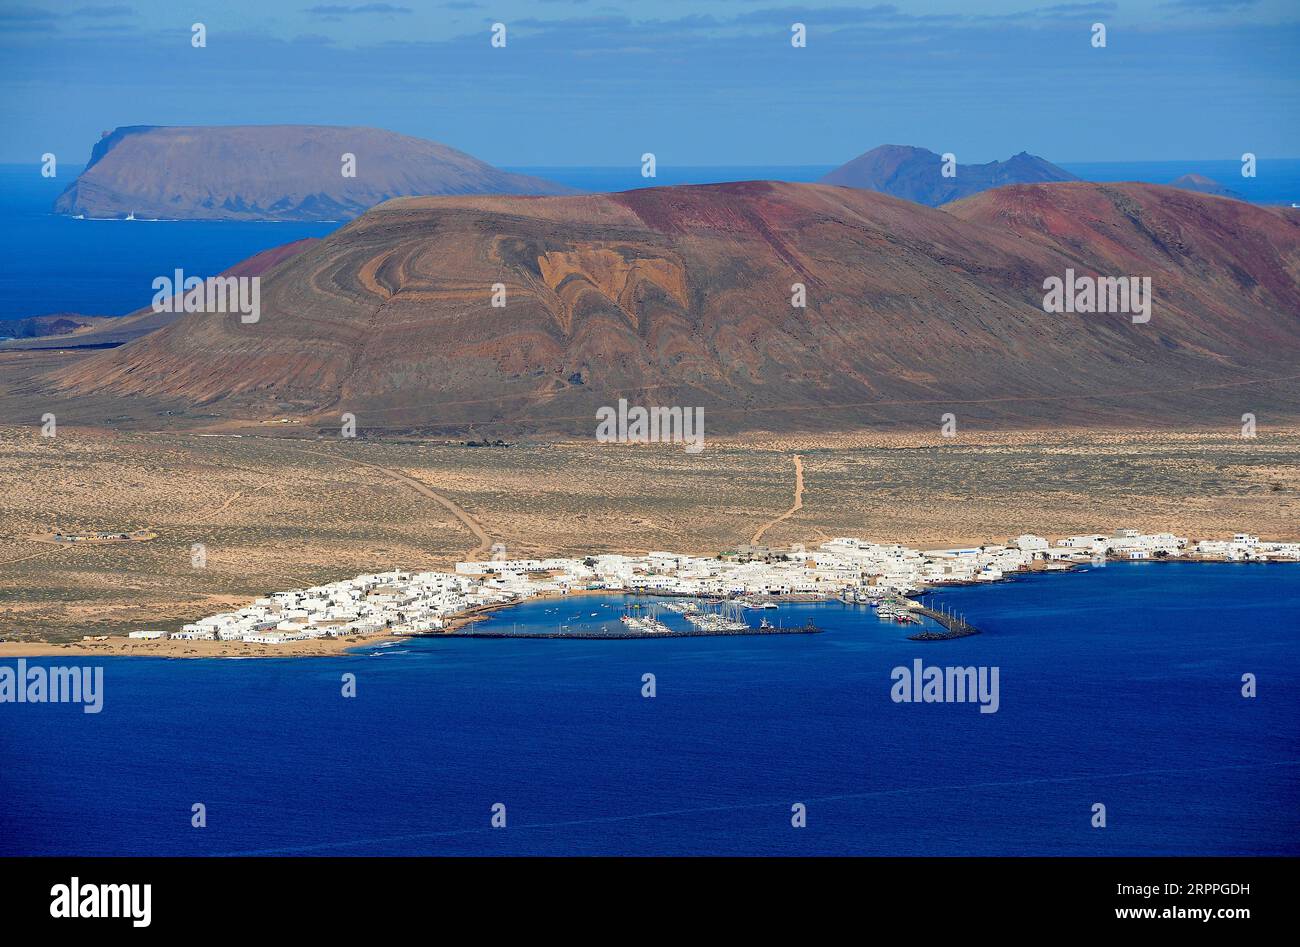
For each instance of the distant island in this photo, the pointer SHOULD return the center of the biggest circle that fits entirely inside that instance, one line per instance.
(1203, 185)
(57, 323)
(915, 174)
(272, 172)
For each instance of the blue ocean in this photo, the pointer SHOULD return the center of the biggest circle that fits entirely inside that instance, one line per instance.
(1119, 685)
(54, 263)
(106, 267)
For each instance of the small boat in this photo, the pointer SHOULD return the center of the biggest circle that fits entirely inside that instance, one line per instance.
(764, 624)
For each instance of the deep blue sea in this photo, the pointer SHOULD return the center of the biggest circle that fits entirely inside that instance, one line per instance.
(105, 267)
(1118, 685)
(54, 263)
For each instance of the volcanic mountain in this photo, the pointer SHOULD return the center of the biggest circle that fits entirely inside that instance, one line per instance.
(272, 172)
(682, 296)
(915, 174)
(1204, 185)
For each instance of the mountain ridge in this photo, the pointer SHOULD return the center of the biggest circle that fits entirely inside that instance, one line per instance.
(682, 296)
(915, 174)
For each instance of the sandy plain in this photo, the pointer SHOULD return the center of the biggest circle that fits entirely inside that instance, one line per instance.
(282, 511)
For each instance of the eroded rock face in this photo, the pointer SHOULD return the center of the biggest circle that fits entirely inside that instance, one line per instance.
(682, 296)
(272, 172)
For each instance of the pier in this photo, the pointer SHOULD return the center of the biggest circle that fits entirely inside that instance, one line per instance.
(955, 627)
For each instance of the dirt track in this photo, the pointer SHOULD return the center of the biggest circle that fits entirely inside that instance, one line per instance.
(798, 503)
(469, 522)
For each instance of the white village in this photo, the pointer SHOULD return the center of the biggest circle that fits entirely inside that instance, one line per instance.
(854, 570)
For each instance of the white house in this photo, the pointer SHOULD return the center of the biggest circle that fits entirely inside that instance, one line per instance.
(1030, 543)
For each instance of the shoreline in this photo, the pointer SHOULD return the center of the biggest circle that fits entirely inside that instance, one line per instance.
(181, 649)
(122, 647)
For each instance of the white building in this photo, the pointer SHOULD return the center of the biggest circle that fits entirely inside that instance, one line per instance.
(1030, 543)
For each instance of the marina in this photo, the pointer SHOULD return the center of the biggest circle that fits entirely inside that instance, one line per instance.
(609, 634)
(642, 617)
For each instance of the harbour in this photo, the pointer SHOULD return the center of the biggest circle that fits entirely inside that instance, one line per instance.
(643, 617)
(609, 634)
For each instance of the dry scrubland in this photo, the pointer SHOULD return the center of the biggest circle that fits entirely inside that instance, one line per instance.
(279, 512)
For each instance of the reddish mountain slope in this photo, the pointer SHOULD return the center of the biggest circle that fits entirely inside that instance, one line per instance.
(681, 296)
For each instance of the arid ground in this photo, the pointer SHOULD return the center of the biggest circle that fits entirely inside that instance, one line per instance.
(279, 512)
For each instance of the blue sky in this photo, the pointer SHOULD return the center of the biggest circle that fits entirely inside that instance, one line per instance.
(589, 82)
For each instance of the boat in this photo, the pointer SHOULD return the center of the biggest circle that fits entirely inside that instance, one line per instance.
(764, 624)
(753, 603)
(648, 625)
(727, 618)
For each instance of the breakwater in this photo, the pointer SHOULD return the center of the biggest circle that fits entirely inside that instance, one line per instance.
(954, 627)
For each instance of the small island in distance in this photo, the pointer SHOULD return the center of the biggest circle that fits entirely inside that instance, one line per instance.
(272, 172)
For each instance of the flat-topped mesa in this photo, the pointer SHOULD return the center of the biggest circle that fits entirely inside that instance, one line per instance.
(685, 296)
(272, 172)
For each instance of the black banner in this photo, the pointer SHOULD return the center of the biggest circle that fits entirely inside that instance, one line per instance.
(331, 895)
